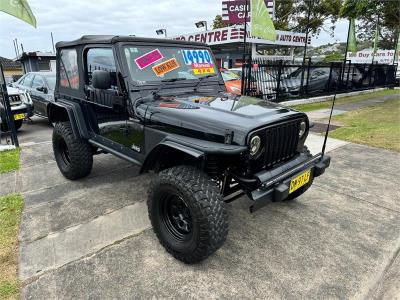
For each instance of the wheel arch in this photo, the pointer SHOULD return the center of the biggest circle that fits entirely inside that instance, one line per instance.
(166, 154)
(61, 111)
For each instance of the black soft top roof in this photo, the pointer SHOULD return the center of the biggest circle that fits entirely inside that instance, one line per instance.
(112, 39)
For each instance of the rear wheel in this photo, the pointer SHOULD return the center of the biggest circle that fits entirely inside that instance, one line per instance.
(73, 155)
(187, 213)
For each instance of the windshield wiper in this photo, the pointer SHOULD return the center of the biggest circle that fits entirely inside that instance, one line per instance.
(172, 79)
(201, 80)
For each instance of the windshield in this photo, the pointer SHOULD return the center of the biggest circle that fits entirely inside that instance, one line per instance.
(147, 64)
(51, 81)
(228, 75)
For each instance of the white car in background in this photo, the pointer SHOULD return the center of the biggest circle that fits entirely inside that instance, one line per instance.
(21, 107)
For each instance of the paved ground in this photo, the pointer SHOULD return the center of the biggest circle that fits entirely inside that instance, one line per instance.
(35, 130)
(92, 239)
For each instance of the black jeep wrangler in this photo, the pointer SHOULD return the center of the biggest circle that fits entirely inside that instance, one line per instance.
(162, 105)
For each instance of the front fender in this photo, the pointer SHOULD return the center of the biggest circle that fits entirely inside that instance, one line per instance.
(156, 154)
(187, 147)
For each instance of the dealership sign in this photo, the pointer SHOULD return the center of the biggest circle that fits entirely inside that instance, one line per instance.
(234, 11)
(365, 57)
(236, 34)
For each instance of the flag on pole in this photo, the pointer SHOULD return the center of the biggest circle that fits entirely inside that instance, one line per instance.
(19, 9)
(352, 46)
(261, 22)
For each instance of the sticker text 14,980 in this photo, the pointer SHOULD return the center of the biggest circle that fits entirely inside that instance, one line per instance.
(196, 56)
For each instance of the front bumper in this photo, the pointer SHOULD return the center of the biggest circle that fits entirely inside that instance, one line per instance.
(274, 184)
(22, 109)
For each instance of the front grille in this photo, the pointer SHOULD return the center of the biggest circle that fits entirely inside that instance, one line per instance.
(280, 144)
(14, 100)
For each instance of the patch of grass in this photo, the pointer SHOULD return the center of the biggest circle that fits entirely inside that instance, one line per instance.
(377, 125)
(345, 100)
(10, 215)
(9, 160)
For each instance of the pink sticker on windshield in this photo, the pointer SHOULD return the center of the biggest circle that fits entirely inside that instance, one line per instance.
(149, 58)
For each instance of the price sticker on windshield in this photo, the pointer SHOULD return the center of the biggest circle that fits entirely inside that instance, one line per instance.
(196, 56)
(165, 67)
(203, 68)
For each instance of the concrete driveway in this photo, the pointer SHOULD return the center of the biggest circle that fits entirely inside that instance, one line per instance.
(92, 238)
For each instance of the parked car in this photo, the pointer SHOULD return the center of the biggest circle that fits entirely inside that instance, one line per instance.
(265, 84)
(40, 85)
(319, 80)
(233, 82)
(21, 108)
(207, 146)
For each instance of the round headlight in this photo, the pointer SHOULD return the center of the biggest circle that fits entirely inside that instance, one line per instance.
(302, 129)
(255, 144)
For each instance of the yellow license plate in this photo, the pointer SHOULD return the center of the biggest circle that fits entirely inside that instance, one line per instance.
(299, 181)
(19, 116)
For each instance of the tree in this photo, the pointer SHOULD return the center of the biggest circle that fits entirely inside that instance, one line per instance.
(320, 12)
(283, 14)
(218, 22)
(333, 57)
(292, 15)
(368, 13)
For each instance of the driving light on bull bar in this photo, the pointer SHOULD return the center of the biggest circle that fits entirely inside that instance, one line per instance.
(255, 144)
(302, 129)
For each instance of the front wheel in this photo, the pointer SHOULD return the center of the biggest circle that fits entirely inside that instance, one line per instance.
(73, 155)
(187, 213)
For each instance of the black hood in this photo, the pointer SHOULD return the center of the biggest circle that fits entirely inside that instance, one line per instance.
(212, 117)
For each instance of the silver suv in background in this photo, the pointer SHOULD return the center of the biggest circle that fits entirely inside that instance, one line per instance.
(21, 107)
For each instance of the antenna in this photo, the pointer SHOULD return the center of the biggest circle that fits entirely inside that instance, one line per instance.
(22, 48)
(16, 44)
(15, 49)
(52, 42)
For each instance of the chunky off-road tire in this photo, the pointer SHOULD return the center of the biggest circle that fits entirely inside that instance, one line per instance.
(188, 214)
(73, 155)
(304, 188)
(17, 124)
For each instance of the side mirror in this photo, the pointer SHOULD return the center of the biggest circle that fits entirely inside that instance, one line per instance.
(101, 79)
(42, 89)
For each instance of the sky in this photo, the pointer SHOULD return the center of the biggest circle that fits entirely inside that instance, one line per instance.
(70, 19)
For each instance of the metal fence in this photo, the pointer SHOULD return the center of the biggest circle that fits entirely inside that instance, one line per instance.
(280, 81)
(7, 127)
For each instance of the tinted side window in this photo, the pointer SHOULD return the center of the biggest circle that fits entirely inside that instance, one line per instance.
(99, 59)
(69, 76)
(28, 80)
(37, 82)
